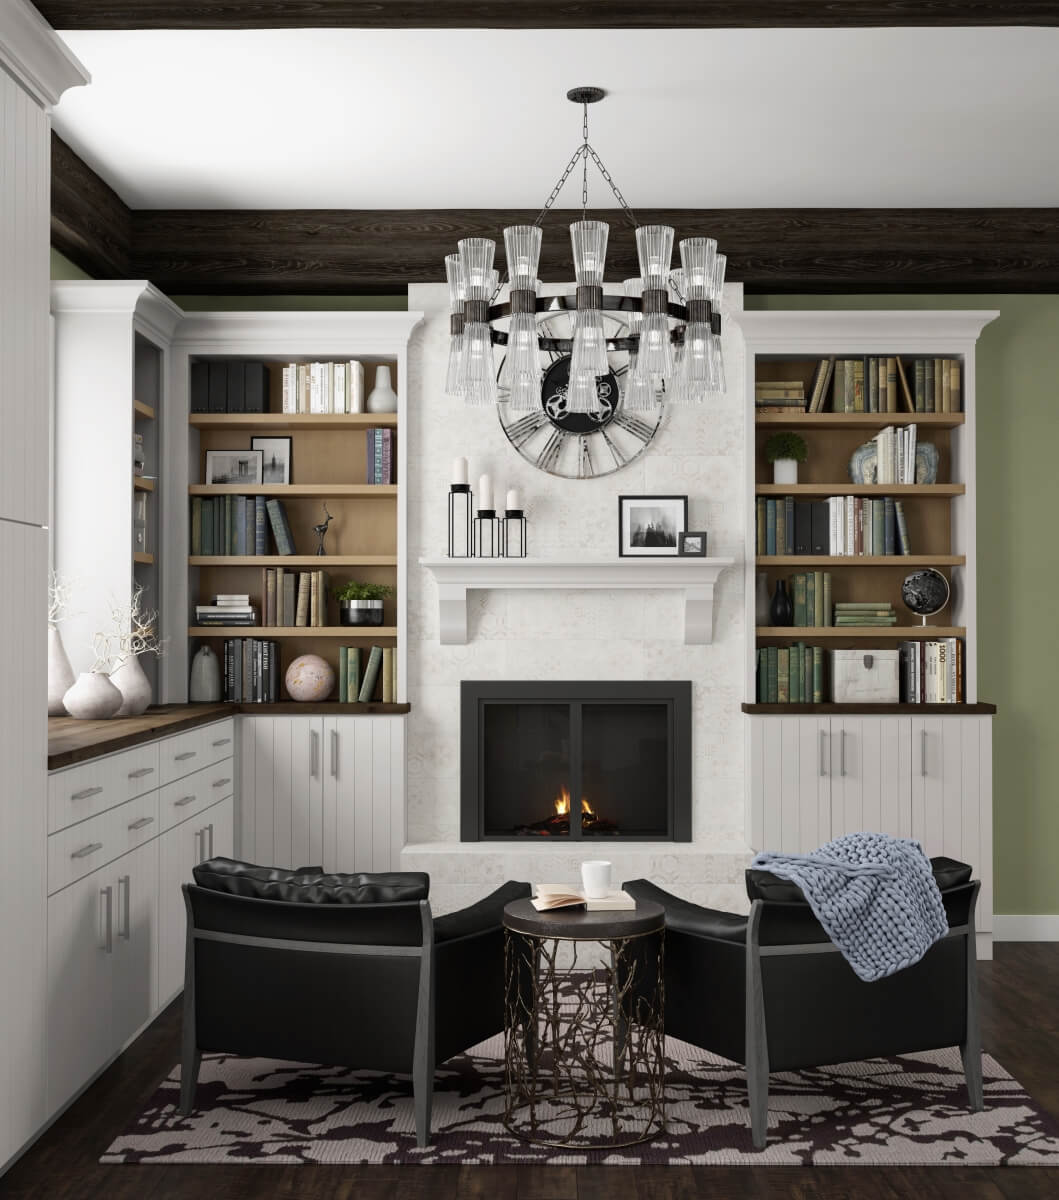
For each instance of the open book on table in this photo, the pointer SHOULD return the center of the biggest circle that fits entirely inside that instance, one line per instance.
(562, 895)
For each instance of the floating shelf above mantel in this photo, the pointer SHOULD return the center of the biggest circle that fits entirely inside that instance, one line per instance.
(695, 577)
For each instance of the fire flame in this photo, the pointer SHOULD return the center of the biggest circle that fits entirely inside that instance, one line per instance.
(562, 804)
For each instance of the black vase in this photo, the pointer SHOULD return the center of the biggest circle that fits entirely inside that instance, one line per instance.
(781, 610)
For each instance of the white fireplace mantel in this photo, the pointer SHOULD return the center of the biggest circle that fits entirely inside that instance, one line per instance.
(695, 577)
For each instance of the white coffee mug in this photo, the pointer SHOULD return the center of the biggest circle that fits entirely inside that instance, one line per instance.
(595, 877)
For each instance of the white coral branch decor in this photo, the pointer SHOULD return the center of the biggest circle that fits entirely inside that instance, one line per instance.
(61, 592)
(136, 629)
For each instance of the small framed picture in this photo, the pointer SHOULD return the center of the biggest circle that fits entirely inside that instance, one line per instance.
(692, 544)
(651, 526)
(233, 466)
(276, 458)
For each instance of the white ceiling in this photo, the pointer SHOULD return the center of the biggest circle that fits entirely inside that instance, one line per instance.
(348, 118)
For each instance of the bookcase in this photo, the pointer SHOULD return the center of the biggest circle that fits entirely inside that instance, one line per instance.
(365, 540)
(817, 770)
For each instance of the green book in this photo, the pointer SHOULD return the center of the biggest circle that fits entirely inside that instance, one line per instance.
(762, 677)
(863, 606)
(343, 668)
(921, 385)
(826, 616)
(773, 674)
(902, 527)
(196, 524)
(810, 598)
(352, 673)
(371, 673)
(928, 385)
(818, 674)
(783, 675)
(798, 589)
(781, 527)
(839, 389)
(807, 684)
(277, 516)
(796, 673)
(206, 518)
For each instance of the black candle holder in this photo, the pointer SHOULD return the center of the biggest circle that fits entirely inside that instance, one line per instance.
(461, 506)
(487, 534)
(514, 533)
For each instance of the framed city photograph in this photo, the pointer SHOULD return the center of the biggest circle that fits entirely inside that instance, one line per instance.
(233, 466)
(692, 543)
(650, 526)
(276, 458)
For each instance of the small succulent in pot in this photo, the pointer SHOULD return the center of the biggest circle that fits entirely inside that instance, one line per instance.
(361, 603)
(785, 451)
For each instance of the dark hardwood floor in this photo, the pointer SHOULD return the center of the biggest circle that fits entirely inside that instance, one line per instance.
(1021, 1030)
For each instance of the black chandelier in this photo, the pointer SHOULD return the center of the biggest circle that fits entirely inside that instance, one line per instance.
(674, 318)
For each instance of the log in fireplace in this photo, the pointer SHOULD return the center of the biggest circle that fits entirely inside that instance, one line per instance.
(585, 761)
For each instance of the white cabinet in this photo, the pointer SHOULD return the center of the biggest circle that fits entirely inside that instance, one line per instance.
(813, 778)
(325, 791)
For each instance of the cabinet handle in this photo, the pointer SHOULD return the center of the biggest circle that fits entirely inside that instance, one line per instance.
(126, 933)
(200, 845)
(85, 793)
(222, 782)
(210, 828)
(824, 755)
(184, 800)
(334, 753)
(141, 772)
(107, 896)
(186, 754)
(314, 753)
(220, 742)
(85, 851)
(141, 823)
(842, 752)
(923, 753)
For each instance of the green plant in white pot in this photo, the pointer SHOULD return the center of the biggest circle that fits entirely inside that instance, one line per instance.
(785, 451)
(361, 603)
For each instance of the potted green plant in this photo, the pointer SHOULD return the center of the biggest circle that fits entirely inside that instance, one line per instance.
(785, 451)
(361, 603)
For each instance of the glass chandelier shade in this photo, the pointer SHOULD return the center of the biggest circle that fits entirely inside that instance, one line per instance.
(520, 376)
(477, 374)
(522, 246)
(457, 295)
(639, 394)
(654, 246)
(588, 359)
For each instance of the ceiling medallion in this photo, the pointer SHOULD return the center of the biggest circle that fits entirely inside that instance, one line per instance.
(670, 321)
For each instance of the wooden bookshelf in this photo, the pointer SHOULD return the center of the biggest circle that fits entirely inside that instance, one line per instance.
(322, 491)
(269, 632)
(141, 409)
(896, 633)
(279, 422)
(324, 561)
(868, 422)
(144, 560)
(939, 491)
(898, 562)
(141, 484)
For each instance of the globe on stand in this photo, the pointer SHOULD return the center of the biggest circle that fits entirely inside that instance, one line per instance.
(925, 592)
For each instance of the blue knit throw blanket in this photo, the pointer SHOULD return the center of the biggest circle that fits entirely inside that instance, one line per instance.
(875, 895)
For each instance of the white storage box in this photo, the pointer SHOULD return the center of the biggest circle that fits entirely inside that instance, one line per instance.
(865, 677)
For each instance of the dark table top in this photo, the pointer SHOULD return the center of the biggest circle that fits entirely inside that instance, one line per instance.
(646, 917)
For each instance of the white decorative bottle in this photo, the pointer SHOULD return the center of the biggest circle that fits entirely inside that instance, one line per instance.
(382, 398)
(205, 677)
(131, 680)
(60, 673)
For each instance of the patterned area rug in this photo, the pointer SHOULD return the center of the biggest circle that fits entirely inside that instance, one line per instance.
(907, 1111)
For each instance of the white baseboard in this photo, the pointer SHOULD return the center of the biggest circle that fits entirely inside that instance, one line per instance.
(1029, 927)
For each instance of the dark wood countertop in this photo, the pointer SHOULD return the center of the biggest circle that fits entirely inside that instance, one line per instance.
(71, 742)
(876, 710)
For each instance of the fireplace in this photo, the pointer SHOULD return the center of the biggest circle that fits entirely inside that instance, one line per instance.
(582, 761)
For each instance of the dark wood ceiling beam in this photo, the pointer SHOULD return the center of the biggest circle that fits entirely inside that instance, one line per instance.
(541, 14)
(330, 252)
(90, 223)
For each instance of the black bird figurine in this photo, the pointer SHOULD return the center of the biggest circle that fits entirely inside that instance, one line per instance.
(321, 529)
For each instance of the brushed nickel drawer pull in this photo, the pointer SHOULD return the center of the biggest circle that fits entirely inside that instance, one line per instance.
(221, 742)
(141, 772)
(184, 800)
(222, 782)
(85, 851)
(186, 754)
(86, 792)
(142, 823)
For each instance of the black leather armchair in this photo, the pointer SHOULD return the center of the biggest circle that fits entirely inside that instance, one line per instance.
(770, 990)
(350, 970)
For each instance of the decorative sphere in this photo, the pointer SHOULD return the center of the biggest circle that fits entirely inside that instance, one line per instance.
(925, 592)
(309, 678)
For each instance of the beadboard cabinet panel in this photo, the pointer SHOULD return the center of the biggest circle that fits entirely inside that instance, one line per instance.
(870, 776)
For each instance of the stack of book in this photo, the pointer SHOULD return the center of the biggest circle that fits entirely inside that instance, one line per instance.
(227, 609)
(784, 395)
(251, 671)
(226, 385)
(561, 895)
(937, 385)
(932, 671)
(295, 598)
(838, 526)
(896, 454)
(238, 525)
(381, 463)
(352, 688)
(811, 597)
(790, 674)
(323, 387)
(864, 613)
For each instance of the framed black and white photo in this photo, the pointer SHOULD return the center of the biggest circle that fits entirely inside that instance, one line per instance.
(233, 466)
(692, 543)
(276, 458)
(651, 526)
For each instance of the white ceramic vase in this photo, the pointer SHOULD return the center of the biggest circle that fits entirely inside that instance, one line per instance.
(131, 680)
(382, 398)
(60, 673)
(93, 697)
(205, 686)
(785, 470)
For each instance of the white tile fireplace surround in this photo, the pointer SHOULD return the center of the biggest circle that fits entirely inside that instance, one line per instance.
(566, 635)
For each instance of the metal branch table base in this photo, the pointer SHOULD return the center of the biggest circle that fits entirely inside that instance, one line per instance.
(584, 1042)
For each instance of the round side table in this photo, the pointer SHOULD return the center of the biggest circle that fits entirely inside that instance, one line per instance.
(584, 1025)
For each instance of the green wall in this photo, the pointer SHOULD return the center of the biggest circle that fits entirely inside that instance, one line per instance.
(63, 268)
(280, 303)
(1018, 574)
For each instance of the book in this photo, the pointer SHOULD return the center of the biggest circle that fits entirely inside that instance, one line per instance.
(352, 675)
(290, 584)
(556, 895)
(821, 378)
(277, 516)
(371, 674)
(356, 387)
(343, 671)
(387, 674)
(301, 613)
(906, 395)
(902, 527)
(196, 525)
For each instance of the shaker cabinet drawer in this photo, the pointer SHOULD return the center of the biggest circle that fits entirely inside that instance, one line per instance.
(188, 752)
(80, 849)
(83, 791)
(185, 797)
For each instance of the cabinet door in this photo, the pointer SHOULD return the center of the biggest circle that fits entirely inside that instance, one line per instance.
(279, 819)
(134, 975)
(218, 829)
(81, 945)
(179, 849)
(870, 776)
(790, 784)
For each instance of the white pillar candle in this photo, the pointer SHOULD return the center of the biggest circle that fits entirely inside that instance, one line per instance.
(512, 499)
(459, 470)
(485, 492)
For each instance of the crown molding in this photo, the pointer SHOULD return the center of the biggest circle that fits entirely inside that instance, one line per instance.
(35, 55)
